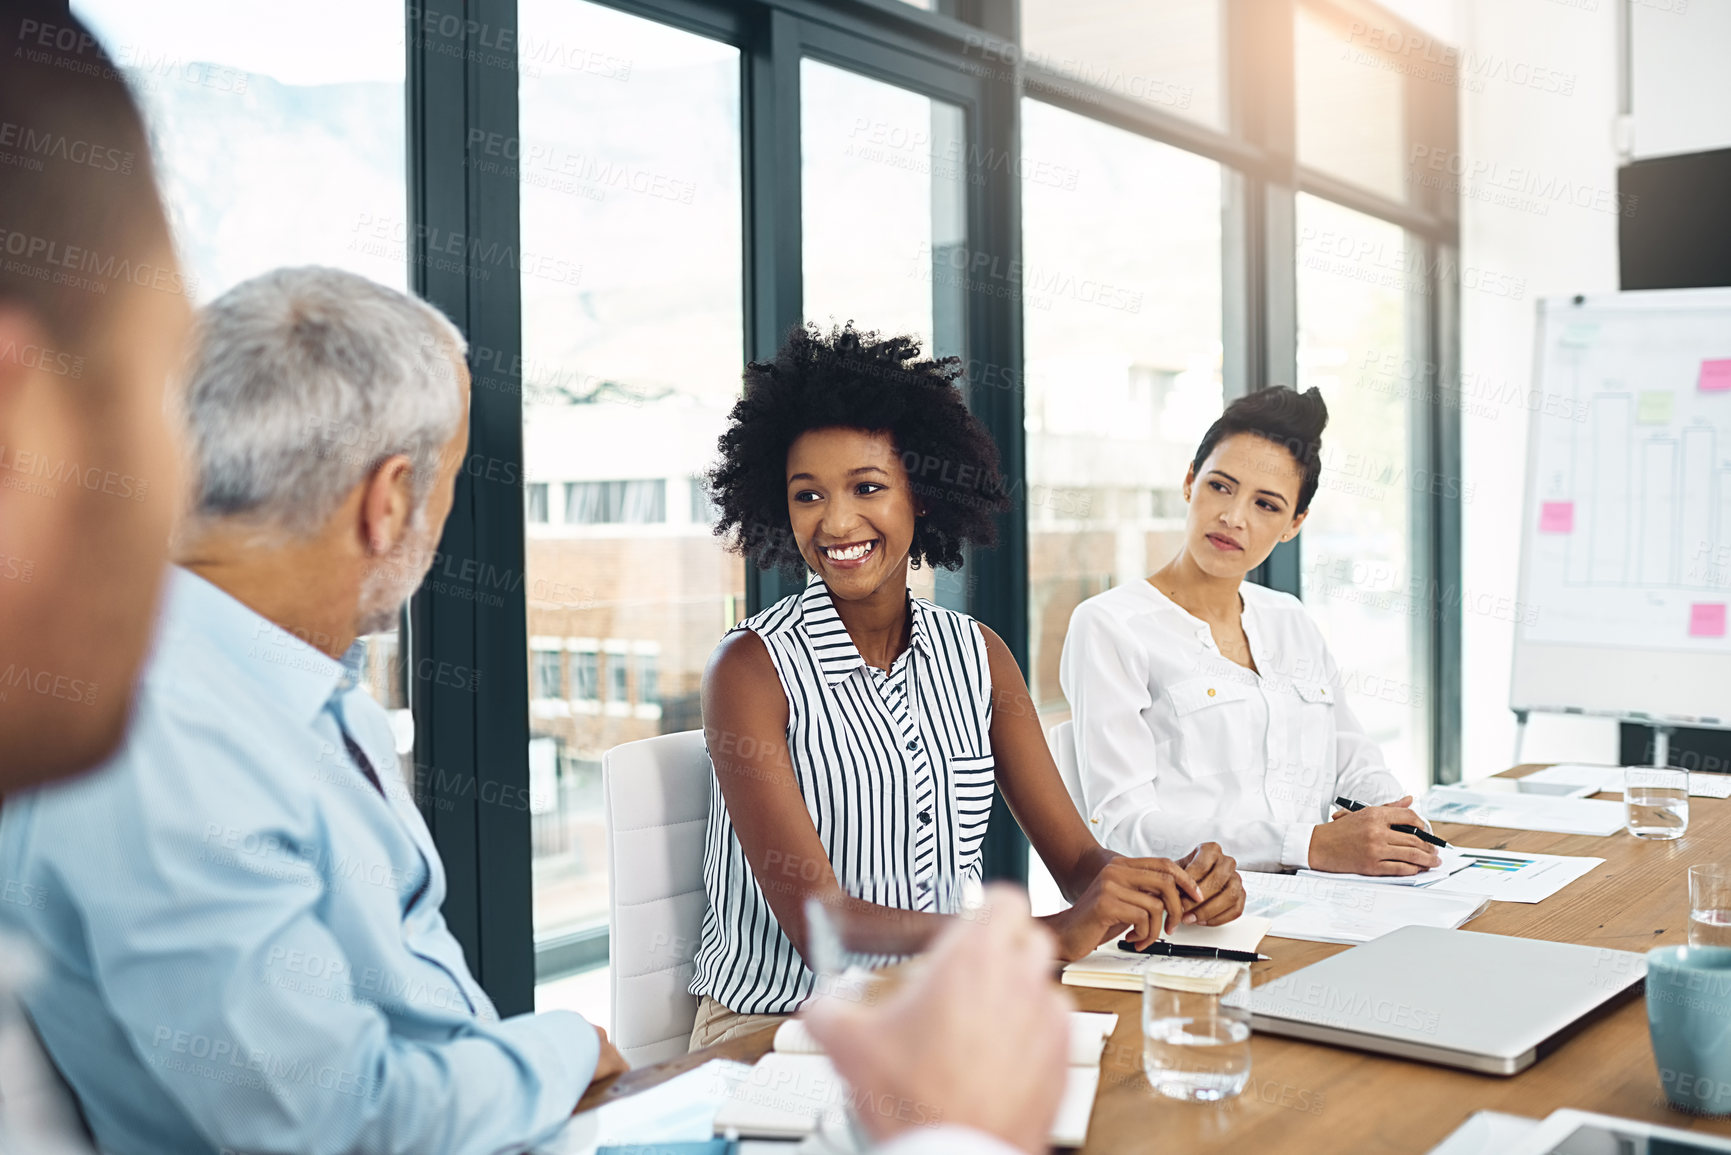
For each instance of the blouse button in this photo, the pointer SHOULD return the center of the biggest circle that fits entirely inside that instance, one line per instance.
(913, 745)
(925, 818)
(1211, 691)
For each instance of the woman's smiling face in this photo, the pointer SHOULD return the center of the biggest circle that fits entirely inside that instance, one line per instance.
(851, 507)
(1241, 505)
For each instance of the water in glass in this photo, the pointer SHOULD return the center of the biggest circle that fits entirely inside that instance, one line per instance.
(1710, 905)
(1197, 1046)
(1657, 802)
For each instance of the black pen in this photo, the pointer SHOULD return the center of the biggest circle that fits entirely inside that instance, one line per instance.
(1404, 828)
(1184, 950)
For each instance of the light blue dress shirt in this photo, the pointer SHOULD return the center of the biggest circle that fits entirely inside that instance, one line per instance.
(242, 940)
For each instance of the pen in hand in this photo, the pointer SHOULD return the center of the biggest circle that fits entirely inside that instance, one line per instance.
(1403, 827)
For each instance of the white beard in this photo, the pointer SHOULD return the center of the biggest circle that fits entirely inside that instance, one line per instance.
(396, 577)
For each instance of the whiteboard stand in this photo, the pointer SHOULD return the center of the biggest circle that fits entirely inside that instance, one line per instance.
(1520, 734)
(1662, 745)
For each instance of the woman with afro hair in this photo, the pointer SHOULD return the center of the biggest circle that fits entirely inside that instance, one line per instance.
(857, 733)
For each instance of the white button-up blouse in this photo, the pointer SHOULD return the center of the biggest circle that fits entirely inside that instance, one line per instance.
(1178, 744)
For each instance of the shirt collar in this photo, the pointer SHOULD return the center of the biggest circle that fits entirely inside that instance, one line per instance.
(836, 653)
(1188, 621)
(292, 673)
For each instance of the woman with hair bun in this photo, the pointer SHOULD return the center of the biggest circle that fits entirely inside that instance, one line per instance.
(858, 734)
(1206, 706)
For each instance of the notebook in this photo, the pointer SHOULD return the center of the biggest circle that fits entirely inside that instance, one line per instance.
(794, 1089)
(1111, 969)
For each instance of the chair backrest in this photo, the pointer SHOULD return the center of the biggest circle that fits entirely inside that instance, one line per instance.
(38, 1112)
(1062, 739)
(656, 796)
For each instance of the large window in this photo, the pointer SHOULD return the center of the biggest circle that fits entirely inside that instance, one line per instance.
(1121, 311)
(1166, 54)
(276, 144)
(884, 174)
(884, 228)
(629, 171)
(1355, 280)
(1352, 98)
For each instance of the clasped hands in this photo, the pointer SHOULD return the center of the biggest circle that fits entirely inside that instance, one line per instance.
(1138, 898)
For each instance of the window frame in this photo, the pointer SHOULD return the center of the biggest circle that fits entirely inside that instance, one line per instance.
(462, 87)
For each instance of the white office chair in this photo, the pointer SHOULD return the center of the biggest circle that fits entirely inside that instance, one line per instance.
(38, 1112)
(655, 794)
(1062, 739)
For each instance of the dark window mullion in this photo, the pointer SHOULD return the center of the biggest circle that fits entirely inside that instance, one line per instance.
(469, 671)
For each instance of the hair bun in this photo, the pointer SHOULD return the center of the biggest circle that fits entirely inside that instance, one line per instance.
(1309, 411)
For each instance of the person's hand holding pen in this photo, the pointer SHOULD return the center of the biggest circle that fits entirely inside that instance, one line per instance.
(1371, 840)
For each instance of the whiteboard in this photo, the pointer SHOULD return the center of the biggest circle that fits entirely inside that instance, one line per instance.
(1626, 530)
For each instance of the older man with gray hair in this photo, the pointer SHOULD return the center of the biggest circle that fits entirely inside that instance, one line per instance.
(241, 914)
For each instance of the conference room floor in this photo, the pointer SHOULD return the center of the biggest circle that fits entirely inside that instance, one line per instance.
(1305, 1097)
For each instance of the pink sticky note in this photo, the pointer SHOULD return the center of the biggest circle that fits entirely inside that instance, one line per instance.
(1557, 517)
(1707, 620)
(1716, 376)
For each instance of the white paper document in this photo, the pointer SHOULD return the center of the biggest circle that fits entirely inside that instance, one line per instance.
(1323, 909)
(681, 1110)
(1451, 862)
(1509, 876)
(1609, 779)
(1523, 811)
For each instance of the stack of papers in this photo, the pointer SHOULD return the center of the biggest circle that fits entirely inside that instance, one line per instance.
(795, 1090)
(1523, 811)
(1111, 969)
(1609, 779)
(1320, 908)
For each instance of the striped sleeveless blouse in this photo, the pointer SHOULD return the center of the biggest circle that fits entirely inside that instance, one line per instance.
(897, 773)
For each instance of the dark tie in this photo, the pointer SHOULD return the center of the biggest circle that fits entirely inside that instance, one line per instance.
(361, 760)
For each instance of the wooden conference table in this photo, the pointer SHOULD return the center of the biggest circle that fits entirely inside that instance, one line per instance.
(1304, 1097)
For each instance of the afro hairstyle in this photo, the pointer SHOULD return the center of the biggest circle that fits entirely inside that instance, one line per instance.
(856, 380)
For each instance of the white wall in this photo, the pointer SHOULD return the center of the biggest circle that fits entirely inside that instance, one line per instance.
(1680, 85)
(1553, 247)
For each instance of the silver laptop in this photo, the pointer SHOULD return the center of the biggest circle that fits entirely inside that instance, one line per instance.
(1484, 1002)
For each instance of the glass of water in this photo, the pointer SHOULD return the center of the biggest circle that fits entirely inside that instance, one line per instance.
(1710, 905)
(1656, 801)
(1196, 1046)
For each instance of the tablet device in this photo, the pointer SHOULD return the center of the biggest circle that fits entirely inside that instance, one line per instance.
(1571, 1132)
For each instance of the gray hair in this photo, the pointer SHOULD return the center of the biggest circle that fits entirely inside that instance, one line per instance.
(303, 382)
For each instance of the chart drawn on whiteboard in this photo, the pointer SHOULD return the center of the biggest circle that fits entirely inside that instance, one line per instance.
(1631, 537)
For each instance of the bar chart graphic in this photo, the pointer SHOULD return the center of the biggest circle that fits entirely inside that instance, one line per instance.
(1628, 540)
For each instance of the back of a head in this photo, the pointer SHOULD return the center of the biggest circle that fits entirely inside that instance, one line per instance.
(92, 323)
(1292, 420)
(302, 382)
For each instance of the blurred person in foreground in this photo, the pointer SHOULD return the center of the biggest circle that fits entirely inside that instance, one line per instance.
(979, 1033)
(93, 323)
(241, 912)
